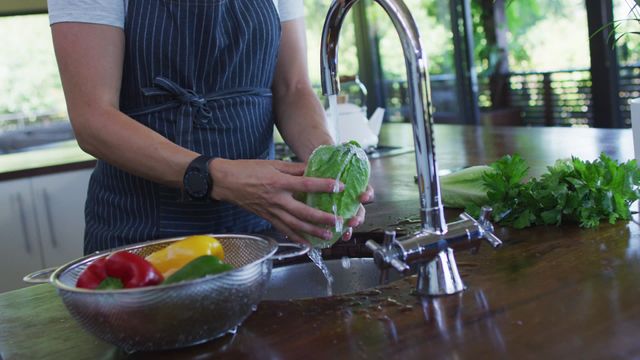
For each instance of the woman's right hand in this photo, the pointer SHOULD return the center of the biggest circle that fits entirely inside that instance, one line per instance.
(267, 188)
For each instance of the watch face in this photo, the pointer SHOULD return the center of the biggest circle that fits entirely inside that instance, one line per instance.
(195, 184)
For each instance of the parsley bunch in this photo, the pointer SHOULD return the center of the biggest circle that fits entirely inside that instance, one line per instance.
(571, 190)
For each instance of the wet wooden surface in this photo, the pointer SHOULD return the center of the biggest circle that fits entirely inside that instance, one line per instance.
(550, 292)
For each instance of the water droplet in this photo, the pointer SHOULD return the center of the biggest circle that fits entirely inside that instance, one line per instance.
(254, 307)
(393, 302)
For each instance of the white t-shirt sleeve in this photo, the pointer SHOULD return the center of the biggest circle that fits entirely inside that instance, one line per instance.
(290, 9)
(112, 12)
(105, 12)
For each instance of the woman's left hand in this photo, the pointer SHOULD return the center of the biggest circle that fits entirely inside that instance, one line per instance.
(358, 219)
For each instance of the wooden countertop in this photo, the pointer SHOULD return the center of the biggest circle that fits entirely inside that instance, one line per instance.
(549, 292)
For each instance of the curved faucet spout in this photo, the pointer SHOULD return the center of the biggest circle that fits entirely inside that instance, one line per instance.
(431, 210)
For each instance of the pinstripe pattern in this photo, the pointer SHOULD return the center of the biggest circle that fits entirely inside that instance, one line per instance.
(204, 48)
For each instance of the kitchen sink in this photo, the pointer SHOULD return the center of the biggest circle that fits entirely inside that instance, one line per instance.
(306, 280)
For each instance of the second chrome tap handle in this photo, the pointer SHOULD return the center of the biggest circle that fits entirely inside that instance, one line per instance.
(485, 226)
(373, 246)
(493, 240)
(399, 265)
(381, 253)
(389, 238)
(485, 223)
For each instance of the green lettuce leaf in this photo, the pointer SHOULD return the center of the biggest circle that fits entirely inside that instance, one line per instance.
(348, 163)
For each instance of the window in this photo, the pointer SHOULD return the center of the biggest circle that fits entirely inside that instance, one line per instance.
(30, 88)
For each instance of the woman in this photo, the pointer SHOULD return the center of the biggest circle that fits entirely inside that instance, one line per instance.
(177, 100)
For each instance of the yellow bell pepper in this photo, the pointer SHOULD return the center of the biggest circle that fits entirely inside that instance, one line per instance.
(181, 252)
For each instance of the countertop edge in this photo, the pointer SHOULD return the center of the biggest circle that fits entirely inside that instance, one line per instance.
(47, 170)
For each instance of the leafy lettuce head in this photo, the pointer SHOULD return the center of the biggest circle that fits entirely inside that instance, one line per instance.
(347, 163)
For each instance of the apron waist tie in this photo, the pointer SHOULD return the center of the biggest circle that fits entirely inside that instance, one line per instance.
(181, 97)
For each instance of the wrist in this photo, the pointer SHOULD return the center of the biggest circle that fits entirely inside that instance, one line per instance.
(218, 170)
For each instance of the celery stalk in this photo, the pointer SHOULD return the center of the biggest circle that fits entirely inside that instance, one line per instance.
(464, 188)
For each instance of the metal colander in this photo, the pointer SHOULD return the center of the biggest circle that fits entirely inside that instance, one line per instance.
(171, 316)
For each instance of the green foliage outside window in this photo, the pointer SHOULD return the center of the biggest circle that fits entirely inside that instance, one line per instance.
(627, 23)
(29, 80)
(30, 84)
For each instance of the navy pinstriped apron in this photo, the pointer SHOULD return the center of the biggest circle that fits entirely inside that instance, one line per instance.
(199, 73)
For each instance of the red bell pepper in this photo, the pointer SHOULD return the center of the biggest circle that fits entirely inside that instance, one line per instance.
(133, 270)
(93, 275)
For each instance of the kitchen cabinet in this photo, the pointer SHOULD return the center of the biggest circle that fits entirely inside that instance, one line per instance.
(59, 206)
(43, 224)
(19, 246)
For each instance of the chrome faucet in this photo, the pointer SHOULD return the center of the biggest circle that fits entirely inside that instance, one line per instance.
(428, 251)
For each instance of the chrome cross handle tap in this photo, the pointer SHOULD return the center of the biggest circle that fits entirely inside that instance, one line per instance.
(431, 210)
(431, 255)
(431, 247)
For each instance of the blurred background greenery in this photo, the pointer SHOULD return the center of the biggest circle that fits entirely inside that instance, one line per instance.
(544, 35)
(29, 80)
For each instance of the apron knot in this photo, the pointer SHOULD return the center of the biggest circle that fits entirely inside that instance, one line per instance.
(188, 97)
(165, 86)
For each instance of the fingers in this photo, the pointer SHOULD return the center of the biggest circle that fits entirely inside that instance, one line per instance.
(347, 234)
(298, 219)
(288, 232)
(269, 188)
(290, 168)
(355, 221)
(300, 226)
(358, 218)
(312, 185)
(310, 214)
(368, 195)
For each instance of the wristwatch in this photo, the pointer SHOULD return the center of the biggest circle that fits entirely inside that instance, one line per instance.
(197, 181)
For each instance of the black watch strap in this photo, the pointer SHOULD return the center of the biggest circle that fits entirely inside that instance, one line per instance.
(197, 181)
